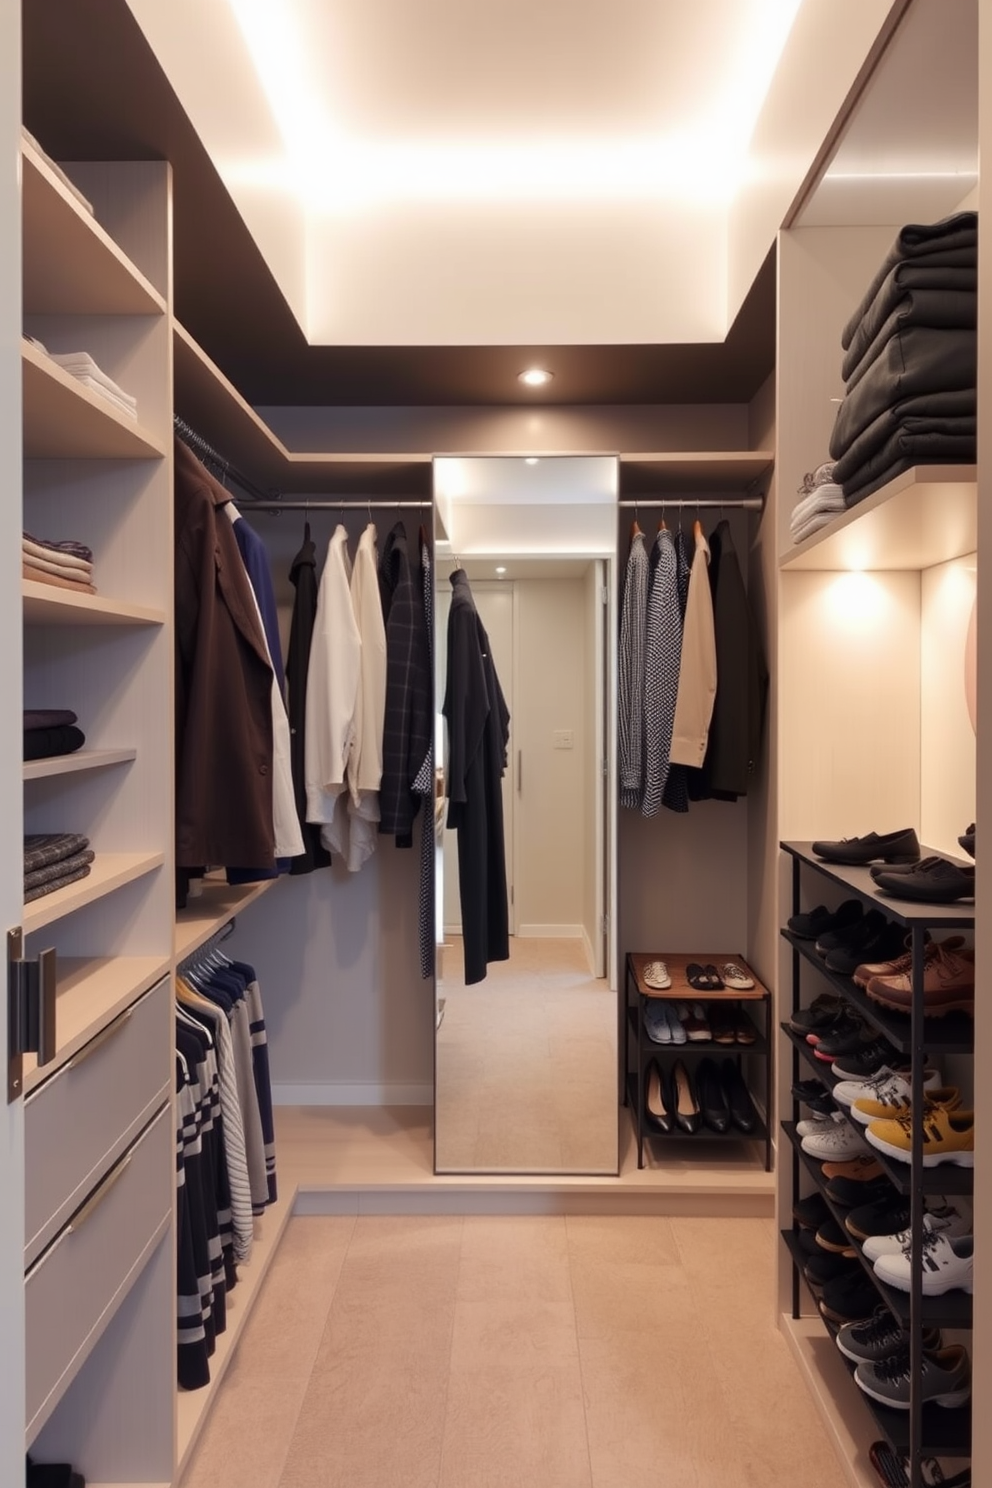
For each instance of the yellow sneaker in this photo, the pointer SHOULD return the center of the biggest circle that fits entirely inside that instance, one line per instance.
(894, 1109)
(948, 1136)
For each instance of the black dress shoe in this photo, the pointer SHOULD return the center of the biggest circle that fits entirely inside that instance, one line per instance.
(892, 847)
(860, 930)
(659, 1103)
(738, 1097)
(712, 1100)
(935, 881)
(887, 942)
(818, 921)
(688, 1117)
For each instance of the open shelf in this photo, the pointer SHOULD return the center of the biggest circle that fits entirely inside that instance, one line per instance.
(71, 764)
(46, 604)
(733, 1134)
(91, 991)
(708, 1046)
(215, 408)
(65, 420)
(945, 1178)
(211, 910)
(954, 1033)
(680, 990)
(678, 472)
(108, 871)
(957, 916)
(71, 265)
(927, 515)
(193, 1405)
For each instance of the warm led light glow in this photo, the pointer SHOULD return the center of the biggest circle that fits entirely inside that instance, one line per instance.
(535, 376)
(530, 460)
(501, 569)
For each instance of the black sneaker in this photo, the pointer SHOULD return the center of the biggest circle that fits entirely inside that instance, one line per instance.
(848, 1032)
(876, 1337)
(831, 1237)
(811, 1211)
(849, 1193)
(820, 1012)
(885, 1216)
(887, 942)
(815, 1095)
(861, 1063)
(820, 1270)
(854, 934)
(816, 922)
(850, 1297)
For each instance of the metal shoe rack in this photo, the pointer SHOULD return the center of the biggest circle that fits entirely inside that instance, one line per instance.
(638, 1050)
(921, 1431)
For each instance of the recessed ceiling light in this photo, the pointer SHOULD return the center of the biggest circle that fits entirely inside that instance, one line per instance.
(501, 569)
(535, 376)
(530, 460)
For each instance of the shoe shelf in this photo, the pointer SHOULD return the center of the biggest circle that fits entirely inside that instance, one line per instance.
(946, 1433)
(710, 1046)
(957, 916)
(954, 1033)
(704, 1134)
(921, 1429)
(952, 1310)
(639, 1050)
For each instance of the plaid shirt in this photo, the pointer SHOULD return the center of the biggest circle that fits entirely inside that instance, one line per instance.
(409, 692)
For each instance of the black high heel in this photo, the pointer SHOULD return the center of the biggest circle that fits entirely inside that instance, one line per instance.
(659, 1102)
(688, 1116)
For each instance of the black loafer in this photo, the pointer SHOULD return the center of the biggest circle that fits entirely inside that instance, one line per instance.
(860, 930)
(738, 1097)
(688, 1117)
(934, 881)
(887, 942)
(712, 1100)
(892, 847)
(818, 921)
(658, 1099)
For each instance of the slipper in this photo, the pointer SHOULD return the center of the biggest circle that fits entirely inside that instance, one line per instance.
(656, 975)
(714, 982)
(736, 977)
(722, 1025)
(696, 977)
(744, 1030)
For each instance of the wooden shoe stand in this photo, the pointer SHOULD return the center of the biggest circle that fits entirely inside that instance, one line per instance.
(639, 1050)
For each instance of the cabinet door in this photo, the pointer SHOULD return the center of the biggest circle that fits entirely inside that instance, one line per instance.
(11, 860)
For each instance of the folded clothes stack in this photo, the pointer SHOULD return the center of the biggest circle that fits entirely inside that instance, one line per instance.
(51, 731)
(910, 367)
(52, 860)
(81, 366)
(820, 499)
(68, 565)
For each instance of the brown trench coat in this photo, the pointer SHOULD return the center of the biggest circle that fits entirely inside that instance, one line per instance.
(223, 687)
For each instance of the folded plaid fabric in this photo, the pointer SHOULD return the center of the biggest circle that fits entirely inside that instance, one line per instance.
(42, 848)
(56, 883)
(59, 870)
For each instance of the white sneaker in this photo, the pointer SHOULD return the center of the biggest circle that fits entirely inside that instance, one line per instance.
(656, 976)
(848, 1091)
(836, 1143)
(947, 1264)
(817, 1123)
(942, 1220)
(736, 978)
(894, 1098)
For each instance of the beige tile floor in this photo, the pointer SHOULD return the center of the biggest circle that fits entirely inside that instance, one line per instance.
(516, 1352)
(526, 1064)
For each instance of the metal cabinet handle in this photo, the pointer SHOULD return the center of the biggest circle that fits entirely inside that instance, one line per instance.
(97, 1197)
(103, 1037)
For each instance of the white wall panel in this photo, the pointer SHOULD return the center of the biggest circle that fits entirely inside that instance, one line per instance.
(947, 780)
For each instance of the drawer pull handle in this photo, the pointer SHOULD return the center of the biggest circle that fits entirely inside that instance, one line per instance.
(97, 1197)
(103, 1037)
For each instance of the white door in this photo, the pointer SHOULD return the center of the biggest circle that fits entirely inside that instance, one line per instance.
(494, 601)
(11, 860)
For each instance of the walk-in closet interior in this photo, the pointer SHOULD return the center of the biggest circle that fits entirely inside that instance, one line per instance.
(449, 1002)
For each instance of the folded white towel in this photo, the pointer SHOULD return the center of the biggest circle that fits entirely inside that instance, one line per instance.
(826, 498)
(813, 524)
(55, 555)
(54, 166)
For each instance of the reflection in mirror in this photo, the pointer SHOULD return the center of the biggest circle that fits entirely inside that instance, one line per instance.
(526, 1062)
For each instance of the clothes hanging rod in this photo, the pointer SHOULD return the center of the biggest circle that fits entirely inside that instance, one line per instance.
(347, 503)
(705, 503)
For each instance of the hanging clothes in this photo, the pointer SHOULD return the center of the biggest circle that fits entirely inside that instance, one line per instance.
(303, 577)
(633, 635)
(663, 643)
(676, 793)
(332, 695)
(223, 687)
(286, 827)
(364, 770)
(409, 722)
(478, 734)
(697, 672)
(738, 713)
(424, 785)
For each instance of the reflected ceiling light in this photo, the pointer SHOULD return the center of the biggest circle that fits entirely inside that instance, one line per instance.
(530, 460)
(535, 376)
(501, 569)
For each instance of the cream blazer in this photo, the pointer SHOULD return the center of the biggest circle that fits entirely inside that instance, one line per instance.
(697, 668)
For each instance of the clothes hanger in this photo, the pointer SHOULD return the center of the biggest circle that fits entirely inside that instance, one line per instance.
(635, 526)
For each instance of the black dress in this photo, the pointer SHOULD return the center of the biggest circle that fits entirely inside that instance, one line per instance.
(303, 577)
(478, 735)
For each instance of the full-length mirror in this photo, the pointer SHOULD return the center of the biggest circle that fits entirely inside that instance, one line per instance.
(526, 1040)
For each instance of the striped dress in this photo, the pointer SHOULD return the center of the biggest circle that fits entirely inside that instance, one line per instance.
(633, 625)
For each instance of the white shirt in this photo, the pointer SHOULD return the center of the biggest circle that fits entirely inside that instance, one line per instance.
(332, 690)
(364, 771)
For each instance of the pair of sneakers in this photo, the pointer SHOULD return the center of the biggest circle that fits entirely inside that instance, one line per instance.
(675, 1022)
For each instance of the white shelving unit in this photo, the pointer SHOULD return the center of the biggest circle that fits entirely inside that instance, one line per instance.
(83, 759)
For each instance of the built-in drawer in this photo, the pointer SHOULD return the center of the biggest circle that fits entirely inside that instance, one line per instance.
(78, 1123)
(76, 1286)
